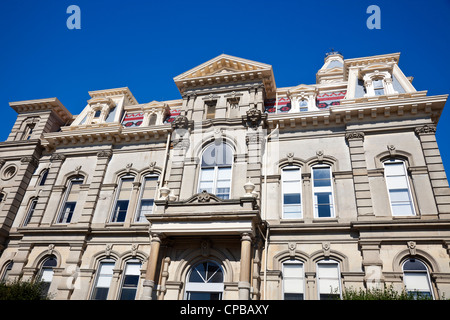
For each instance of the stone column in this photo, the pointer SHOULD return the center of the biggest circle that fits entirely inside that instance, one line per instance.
(95, 186)
(149, 282)
(245, 268)
(433, 160)
(360, 177)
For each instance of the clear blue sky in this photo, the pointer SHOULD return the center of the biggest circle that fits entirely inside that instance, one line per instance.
(144, 44)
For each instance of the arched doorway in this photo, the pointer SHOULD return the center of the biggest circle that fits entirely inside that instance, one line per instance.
(204, 282)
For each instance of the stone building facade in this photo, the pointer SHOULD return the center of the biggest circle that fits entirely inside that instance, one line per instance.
(238, 190)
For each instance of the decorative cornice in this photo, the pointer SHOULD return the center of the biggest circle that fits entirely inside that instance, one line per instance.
(37, 105)
(29, 159)
(105, 154)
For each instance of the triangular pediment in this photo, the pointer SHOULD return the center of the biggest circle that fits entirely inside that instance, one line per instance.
(226, 69)
(223, 64)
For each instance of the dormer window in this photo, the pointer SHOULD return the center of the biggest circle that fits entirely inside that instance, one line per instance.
(303, 105)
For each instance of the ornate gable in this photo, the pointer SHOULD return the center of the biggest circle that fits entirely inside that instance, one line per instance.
(225, 69)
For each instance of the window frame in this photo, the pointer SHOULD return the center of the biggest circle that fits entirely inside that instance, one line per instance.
(114, 215)
(43, 268)
(339, 278)
(216, 170)
(30, 211)
(138, 216)
(123, 280)
(98, 274)
(378, 88)
(283, 186)
(408, 184)
(61, 215)
(427, 271)
(206, 287)
(326, 189)
(302, 279)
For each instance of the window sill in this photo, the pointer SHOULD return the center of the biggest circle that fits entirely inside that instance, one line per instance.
(285, 220)
(405, 217)
(320, 220)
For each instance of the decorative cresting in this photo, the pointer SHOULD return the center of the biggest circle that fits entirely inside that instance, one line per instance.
(426, 129)
(354, 135)
(253, 118)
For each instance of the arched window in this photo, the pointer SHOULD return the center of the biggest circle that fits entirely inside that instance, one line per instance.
(329, 280)
(205, 282)
(416, 278)
(293, 280)
(46, 273)
(147, 196)
(71, 197)
(398, 188)
(43, 177)
(103, 279)
(130, 280)
(215, 173)
(292, 192)
(6, 271)
(123, 196)
(30, 211)
(322, 191)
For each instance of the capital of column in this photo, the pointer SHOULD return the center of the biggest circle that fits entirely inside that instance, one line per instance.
(426, 129)
(354, 136)
(246, 236)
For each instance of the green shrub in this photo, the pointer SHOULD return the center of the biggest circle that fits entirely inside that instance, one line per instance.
(387, 293)
(23, 290)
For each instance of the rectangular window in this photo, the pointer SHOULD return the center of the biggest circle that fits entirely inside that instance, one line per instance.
(123, 199)
(130, 281)
(103, 282)
(291, 189)
(322, 192)
(147, 197)
(398, 188)
(293, 281)
(211, 109)
(223, 182)
(328, 280)
(216, 180)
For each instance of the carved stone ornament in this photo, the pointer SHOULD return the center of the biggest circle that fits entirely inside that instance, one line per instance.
(204, 197)
(180, 122)
(108, 249)
(57, 157)
(50, 249)
(319, 154)
(326, 249)
(391, 149)
(205, 247)
(290, 157)
(426, 129)
(104, 154)
(292, 246)
(354, 135)
(254, 117)
(412, 247)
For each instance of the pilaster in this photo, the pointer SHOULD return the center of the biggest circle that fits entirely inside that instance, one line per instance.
(90, 204)
(436, 171)
(360, 176)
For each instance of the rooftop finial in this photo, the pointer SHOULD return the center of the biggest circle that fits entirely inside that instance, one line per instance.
(332, 52)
